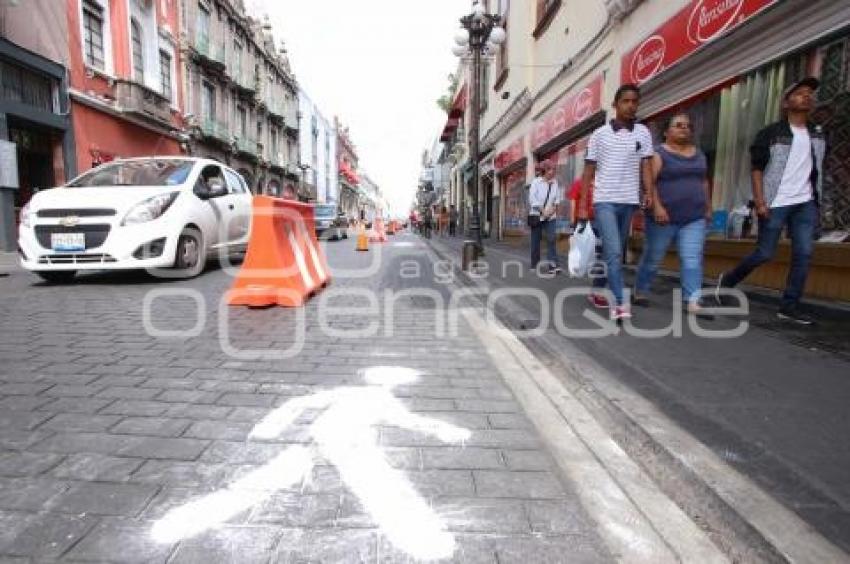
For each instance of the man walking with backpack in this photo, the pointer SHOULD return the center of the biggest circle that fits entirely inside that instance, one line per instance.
(787, 174)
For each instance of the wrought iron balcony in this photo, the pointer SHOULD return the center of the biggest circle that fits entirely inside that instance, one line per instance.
(140, 100)
(248, 148)
(214, 129)
(209, 52)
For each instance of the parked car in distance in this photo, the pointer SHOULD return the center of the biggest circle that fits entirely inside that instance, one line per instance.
(330, 225)
(143, 213)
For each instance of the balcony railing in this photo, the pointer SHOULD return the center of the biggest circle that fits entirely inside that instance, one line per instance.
(276, 108)
(245, 80)
(214, 129)
(209, 51)
(248, 147)
(140, 100)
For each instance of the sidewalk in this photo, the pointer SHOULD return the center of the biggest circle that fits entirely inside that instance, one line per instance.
(771, 404)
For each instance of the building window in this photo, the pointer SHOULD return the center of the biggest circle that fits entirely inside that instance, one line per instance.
(203, 21)
(18, 84)
(93, 40)
(237, 58)
(138, 57)
(243, 123)
(165, 73)
(208, 101)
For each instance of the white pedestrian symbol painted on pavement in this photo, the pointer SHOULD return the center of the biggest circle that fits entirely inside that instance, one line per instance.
(345, 435)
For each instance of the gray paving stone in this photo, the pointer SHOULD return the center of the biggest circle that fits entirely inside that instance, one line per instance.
(73, 443)
(119, 381)
(47, 535)
(241, 452)
(165, 448)
(22, 420)
(170, 383)
(487, 406)
(77, 405)
(138, 408)
(123, 392)
(186, 474)
(28, 493)
(290, 509)
(104, 499)
(468, 514)
(72, 391)
(151, 426)
(528, 460)
(326, 545)
(70, 422)
(188, 396)
(15, 403)
(97, 468)
(470, 548)
(227, 545)
(253, 414)
(430, 483)
(197, 411)
(15, 464)
(435, 392)
(428, 404)
(461, 458)
(578, 549)
(24, 388)
(219, 430)
(20, 440)
(246, 400)
(505, 438)
(130, 541)
(558, 517)
(523, 485)
(509, 421)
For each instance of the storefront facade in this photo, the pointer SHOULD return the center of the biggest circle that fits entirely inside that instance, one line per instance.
(726, 64)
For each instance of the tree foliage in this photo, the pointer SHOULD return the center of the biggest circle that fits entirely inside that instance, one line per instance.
(445, 101)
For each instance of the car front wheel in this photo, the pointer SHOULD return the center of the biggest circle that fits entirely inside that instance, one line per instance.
(191, 255)
(57, 276)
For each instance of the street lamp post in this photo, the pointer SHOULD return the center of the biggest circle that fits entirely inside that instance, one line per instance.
(480, 34)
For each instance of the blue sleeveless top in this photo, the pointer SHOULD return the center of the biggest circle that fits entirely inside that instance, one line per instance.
(680, 185)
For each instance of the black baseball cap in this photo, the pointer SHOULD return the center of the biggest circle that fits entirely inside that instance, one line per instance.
(809, 81)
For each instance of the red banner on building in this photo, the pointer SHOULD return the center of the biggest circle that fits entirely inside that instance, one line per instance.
(698, 23)
(513, 153)
(569, 112)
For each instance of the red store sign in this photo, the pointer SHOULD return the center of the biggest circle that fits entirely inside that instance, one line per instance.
(569, 112)
(513, 153)
(698, 23)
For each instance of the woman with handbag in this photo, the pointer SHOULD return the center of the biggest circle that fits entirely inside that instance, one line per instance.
(543, 199)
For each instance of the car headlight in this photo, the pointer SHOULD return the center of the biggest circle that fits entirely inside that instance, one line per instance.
(149, 209)
(26, 216)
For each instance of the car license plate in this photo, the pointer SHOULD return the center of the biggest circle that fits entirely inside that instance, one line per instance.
(68, 241)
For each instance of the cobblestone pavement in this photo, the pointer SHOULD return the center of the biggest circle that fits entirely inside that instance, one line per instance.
(105, 429)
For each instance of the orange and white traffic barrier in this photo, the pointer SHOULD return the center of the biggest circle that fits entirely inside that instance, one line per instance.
(284, 264)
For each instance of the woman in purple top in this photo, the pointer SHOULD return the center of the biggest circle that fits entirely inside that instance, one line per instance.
(681, 211)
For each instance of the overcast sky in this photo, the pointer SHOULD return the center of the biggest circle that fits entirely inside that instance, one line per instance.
(379, 65)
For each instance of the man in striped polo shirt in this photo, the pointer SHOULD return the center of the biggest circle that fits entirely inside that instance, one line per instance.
(618, 158)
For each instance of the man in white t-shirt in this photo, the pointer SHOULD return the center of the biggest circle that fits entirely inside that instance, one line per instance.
(618, 162)
(544, 197)
(787, 162)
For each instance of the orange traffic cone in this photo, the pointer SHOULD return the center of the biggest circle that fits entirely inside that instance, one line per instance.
(362, 240)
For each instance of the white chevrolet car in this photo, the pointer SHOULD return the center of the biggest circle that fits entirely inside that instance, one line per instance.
(146, 213)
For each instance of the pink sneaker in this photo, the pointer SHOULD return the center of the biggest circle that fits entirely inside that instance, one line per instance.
(621, 312)
(599, 302)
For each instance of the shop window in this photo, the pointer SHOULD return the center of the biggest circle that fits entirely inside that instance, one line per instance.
(93, 41)
(138, 51)
(165, 73)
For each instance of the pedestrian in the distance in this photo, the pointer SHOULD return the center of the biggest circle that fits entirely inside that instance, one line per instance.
(787, 175)
(681, 211)
(452, 220)
(618, 160)
(543, 200)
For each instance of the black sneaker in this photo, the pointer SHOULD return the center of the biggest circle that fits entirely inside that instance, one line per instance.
(792, 313)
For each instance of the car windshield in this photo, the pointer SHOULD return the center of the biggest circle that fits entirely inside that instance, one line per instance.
(325, 211)
(153, 172)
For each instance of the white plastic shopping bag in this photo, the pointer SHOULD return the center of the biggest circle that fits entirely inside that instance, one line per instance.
(582, 251)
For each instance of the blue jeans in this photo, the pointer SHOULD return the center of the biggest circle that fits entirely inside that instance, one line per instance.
(612, 221)
(802, 221)
(598, 270)
(691, 240)
(536, 234)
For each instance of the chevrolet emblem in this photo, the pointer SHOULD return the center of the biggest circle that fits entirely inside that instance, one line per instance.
(69, 221)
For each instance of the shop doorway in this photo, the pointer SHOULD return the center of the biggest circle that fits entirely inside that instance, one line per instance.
(35, 159)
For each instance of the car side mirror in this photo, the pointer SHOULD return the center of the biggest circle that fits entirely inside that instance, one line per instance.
(217, 188)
